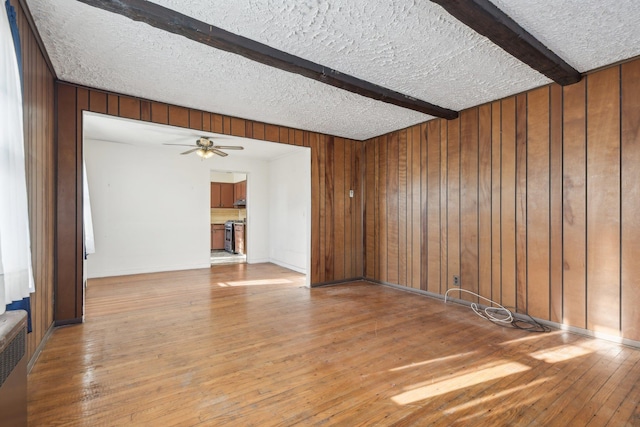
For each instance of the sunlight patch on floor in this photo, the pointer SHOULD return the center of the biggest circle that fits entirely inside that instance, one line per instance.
(486, 400)
(430, 361)
(561, 353)
(532, 337)
(478, 376)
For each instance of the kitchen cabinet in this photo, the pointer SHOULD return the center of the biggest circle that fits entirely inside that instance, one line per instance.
(239, 238)
(222, 195)
(217, 236)
(240, 190)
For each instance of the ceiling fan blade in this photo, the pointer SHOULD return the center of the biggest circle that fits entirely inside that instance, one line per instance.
(219, 153)
(181, 145)
(190, 151)
(229, 147)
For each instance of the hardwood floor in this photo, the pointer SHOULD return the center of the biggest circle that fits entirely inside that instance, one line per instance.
(249, 345)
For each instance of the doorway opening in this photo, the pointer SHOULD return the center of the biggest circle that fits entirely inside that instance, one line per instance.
(228, 203)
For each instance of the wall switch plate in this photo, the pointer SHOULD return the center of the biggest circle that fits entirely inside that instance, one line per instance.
(350, 193)
(456, 280)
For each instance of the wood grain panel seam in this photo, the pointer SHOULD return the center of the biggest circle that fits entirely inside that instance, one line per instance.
(586, 201)
(620, 189)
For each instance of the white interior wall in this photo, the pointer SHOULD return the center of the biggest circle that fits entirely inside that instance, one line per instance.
(230, 177)
(151, 208)
(290, 234)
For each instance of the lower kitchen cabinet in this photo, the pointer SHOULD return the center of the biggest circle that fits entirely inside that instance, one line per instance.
(217, 236)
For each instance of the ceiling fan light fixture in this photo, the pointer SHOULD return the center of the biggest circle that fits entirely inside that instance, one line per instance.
(204, 142)
(205, 154)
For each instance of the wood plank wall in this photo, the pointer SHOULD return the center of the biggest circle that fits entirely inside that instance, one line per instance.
(38, 112)
(532, 200)
(336, 168)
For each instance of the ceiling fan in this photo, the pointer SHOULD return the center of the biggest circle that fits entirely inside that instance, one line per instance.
(206, 148)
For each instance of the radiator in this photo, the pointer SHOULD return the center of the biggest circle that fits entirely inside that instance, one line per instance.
(13, 368)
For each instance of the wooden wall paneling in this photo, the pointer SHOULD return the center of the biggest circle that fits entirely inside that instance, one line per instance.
(382, 215)
(248, 129)
(630, 145)
(402, 208)
(41, 307)
(145, 111)
(329, 201)
(444, 277)
(369, 208)
(392, 208)
(453, 199)
(287, 136)
(358, 178)
(603, 201)
(206, 121)
(226, 125)
(409, 261)
(508, 202)
(237, 127)
(322, 204)
(424, 207)
(416, 208)
(178, 116)
(159, 113)
(217, 124)
(113, 104)
(195, 119)
(338, 214)
(555, 202)
(298, 137)
(38, 113)
(469, 202)
(348, 211)
(574, 205)
(538, 209)
(496, 202)
(271, 133)
(433, 206)
(129, 107)
(98, 102)
(50, 218)
(258, 131)
(315, 212)
(521, 203)
(377, 203)
(66, 204)
(358, 173)
(484, 200)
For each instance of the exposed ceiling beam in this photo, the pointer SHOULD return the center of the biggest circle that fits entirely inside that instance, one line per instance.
(485, 18)
(169, 20)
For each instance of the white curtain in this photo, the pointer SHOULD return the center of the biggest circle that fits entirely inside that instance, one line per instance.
(16, 275)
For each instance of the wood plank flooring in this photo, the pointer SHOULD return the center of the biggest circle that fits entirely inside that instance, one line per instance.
(249, 345)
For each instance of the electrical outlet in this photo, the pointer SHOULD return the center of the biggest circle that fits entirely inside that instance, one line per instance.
(456, 280)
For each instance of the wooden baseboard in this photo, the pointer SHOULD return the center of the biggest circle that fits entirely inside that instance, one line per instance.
(40, 347)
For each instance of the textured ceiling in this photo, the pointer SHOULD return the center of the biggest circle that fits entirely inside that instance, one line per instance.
(413, 47)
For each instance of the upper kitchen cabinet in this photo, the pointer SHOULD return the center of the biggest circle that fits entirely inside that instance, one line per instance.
(241, 190)
(222, 195)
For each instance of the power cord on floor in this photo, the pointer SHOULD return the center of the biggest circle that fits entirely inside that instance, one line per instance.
(501, 315)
